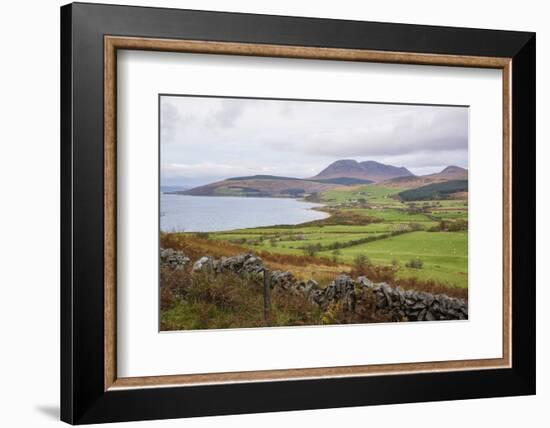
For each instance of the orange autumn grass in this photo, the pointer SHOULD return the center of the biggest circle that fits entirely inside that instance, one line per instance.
(323, 270)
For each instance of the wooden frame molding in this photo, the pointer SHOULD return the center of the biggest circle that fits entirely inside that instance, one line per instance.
(113, 43)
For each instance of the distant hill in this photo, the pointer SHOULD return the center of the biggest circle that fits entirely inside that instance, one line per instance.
(170, 189)
(338, 174)
(452, 173)
(449, 173)
(367, 170)
(262, 186)
(346, 181)
(262, 177)
(433, 191)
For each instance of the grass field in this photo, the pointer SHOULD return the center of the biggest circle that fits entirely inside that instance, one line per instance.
(444, 255)
(379, 226)
(372, 193)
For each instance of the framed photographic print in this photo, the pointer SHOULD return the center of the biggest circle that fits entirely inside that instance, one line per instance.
(265, 213)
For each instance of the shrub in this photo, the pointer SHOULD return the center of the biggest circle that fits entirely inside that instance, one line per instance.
(225, 292)
(238, 241)
(312, 249)
(376, 273)
(361, 262)
(333, 314)
(401, 229)
(294, 260)
(450, 226)
(292, 309)
(173, 286)
(415, 264)
(458, 225)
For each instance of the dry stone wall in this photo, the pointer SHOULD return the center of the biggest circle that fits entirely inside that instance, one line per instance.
(398, 303)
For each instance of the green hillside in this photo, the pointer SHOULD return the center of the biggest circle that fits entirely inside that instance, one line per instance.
(435, 191)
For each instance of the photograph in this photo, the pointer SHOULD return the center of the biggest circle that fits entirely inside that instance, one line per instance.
(284, 212)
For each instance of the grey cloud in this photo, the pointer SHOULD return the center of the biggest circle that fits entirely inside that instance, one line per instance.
(404, 134)
(296, 137)
(227, 115)
(172, 120)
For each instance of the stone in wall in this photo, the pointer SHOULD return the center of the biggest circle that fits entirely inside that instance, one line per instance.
(283, 280)
(241, 264)
(205, 263)
(173, 259)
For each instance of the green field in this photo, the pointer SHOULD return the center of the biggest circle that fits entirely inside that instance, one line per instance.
(444, 254)
(379, 226)
(372, 193)
(392, 215)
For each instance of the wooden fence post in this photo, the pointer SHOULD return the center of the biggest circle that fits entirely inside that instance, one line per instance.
(267, 296)
(210, 265)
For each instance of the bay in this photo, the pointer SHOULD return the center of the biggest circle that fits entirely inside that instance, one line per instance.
(184, 213)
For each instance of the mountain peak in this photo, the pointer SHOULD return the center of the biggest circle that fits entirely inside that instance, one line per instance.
(368, 170)
(345, 162)
(452, 172)
(370, 163)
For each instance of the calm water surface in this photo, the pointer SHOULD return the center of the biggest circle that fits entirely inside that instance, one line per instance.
(217, 213)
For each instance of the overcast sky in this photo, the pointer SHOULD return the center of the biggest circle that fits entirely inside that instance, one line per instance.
(209, 139)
